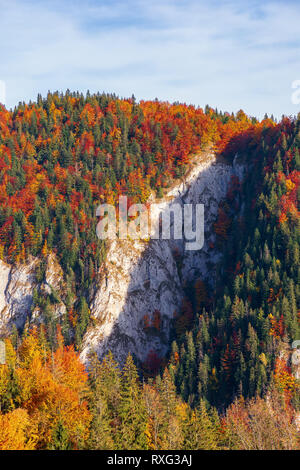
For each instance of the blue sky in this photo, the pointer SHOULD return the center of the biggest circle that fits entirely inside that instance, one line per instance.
(228, 54)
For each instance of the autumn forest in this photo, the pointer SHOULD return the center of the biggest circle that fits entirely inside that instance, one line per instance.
(227, 381)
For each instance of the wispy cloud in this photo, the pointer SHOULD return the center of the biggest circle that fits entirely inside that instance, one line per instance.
(230, 54)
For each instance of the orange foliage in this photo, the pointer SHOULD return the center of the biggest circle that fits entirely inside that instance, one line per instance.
(284, 377)
(17, 431)
(52, 389)
(277, 326)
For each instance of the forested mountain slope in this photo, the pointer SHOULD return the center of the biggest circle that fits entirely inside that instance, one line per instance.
(234, 345)
(235, 304)
(63, 155)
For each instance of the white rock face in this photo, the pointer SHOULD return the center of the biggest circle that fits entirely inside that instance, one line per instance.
(17, 284)
(209, 188)
(53, 274)
(53, 283)
(16, 291)
(4, 275)
(139, 278)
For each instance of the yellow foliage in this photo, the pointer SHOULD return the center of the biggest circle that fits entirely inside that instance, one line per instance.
(17, 432)
(182, 411)
(263, 359)
(289, 185)
(51, 388)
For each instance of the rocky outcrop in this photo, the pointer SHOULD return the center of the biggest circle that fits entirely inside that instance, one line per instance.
(17, 284)
(141, 278)
(16, 294)
(208, 185)
(52, 284)
(137, 280)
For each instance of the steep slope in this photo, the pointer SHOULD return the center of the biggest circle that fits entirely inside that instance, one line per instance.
(140, 279)
(137, 280)
(17, 285)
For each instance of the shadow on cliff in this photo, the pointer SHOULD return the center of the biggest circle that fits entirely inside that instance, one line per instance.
(152, 292)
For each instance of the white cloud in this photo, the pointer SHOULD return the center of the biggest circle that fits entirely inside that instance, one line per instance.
(224, 53)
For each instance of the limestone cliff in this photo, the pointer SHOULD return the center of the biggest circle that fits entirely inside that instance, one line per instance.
(140, 278)
(17, 284)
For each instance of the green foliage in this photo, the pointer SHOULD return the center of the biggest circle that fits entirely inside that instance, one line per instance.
(233, 345)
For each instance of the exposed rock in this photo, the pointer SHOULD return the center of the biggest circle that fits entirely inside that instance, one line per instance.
(296, 364)
(4, 276)
(53, 275)
(138, 278)
(208, 186)
(16, 294)
(17, 284)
